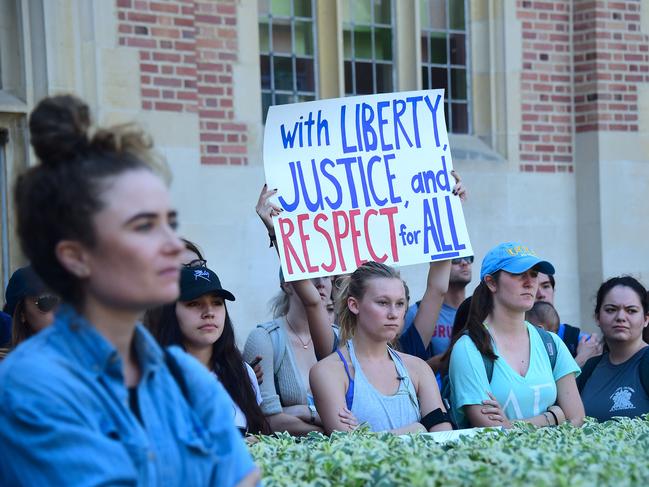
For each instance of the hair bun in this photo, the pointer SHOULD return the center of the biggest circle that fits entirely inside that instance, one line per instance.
(59, 129)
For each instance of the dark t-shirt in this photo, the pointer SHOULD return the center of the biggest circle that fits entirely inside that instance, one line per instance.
(410, 343)
(616, 390)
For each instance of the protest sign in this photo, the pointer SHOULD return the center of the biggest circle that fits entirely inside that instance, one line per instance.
(363, 178)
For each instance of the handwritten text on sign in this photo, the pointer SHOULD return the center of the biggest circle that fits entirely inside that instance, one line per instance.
(363, 178)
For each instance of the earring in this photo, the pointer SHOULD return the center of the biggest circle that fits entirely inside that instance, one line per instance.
(82, 272)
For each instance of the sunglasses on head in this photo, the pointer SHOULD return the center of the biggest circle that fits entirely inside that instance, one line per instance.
(468, 260)
(46, 303)
(196, 263)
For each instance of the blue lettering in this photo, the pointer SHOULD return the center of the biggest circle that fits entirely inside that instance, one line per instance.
(393, 199)
(429, 226)
(445, 246)
(397, 113)
(286, 205)
(368, 118)
(309, 125)
(288, 138)
(358, 127)
(382, 121)
(311, 205)
(323, 124)
(370, 164)
(433, 111)
(415, 122)
(451, 222)
(347, 162)
(363, 181)
(339, 192)
(343, 132)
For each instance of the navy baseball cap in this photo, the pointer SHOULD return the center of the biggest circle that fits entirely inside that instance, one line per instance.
(515, 258)
(22, 283)
(196, 281)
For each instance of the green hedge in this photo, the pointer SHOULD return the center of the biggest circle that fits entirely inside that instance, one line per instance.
(612, 453)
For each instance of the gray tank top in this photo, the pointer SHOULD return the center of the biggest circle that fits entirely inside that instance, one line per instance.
(383, 412)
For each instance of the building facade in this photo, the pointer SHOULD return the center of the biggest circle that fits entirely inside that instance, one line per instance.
(547, 103)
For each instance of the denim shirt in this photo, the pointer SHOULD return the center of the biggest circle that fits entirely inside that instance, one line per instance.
(65, 416)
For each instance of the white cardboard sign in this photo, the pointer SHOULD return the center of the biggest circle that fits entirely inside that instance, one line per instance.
(363, 178)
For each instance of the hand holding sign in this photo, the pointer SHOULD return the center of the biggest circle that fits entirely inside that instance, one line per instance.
(459, 189)
(266, 209)
(364, 178)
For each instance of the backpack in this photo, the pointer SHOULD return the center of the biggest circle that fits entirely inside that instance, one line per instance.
(589, 367)
(278, 338)
(550, 348)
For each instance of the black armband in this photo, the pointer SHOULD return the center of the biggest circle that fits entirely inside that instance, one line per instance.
(435, 417)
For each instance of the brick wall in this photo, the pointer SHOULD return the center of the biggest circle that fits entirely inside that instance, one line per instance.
(610, 58)
(546, 141)
(187, 49)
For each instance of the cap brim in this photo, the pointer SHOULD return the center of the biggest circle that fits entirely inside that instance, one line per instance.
(523, 264)
(195, 293)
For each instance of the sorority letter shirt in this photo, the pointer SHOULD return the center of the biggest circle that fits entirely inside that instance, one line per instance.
(520, 397)
(616, 390)
(65, 417)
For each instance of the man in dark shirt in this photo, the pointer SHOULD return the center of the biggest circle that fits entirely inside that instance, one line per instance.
(581, 345)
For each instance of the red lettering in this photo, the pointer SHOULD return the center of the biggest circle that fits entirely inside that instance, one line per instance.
(288, 247)
(355, 234)
(338, 235)
(375, 257)
(442, 330)
(325, 233)
(393, 234)
(304, 238)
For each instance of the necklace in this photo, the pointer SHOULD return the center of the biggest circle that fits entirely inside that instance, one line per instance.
(304, 345)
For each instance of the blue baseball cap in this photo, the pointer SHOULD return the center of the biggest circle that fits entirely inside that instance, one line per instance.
(513, 257)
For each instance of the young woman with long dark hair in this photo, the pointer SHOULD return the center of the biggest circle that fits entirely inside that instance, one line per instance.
(617, 382)
(199, 322)
(93, 399)
(524, 385)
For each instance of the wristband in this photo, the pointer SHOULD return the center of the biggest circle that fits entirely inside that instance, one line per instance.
(547, 419)
(273, 239)
(556, 419)
(435, 417)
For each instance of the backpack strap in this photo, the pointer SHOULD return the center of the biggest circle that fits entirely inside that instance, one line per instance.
(488, 367)
(278, 339)
(488, 363)
(571, 338)
(587, 371)
(549, 345)
(644, 371)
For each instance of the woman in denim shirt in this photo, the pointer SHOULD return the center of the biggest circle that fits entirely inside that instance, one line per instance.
(93, 399)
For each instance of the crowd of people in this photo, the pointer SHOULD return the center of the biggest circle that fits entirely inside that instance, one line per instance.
(120, 363)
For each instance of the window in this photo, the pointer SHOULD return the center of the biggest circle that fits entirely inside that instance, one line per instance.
(445, 58)
(287, 52)
(368, 47)
(12, 67)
